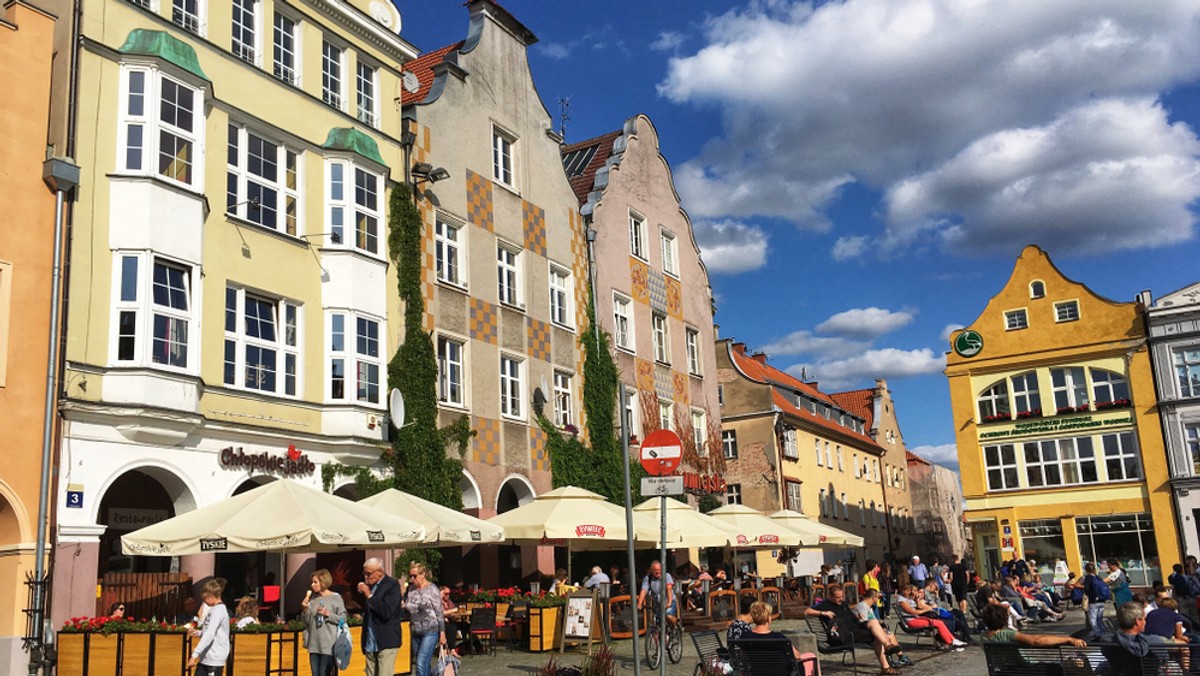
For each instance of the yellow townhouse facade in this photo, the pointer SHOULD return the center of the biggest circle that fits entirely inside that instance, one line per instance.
(231, 308)
(1057, 426)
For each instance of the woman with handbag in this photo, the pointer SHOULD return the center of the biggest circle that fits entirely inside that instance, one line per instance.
(423, 602)
(323, 611)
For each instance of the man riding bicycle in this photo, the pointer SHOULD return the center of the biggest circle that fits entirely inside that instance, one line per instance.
(653, 584)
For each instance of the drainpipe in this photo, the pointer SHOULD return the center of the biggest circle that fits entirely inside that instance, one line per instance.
(61, 176)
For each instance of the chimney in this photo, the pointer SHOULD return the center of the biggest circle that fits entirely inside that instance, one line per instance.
(740, 348)
(760, 357)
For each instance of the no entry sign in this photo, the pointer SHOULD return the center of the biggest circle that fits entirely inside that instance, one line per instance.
(661, 452)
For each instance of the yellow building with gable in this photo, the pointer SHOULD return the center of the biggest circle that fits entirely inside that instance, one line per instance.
(1058, 432)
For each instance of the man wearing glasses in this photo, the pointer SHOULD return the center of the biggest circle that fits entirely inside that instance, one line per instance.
(381, 623)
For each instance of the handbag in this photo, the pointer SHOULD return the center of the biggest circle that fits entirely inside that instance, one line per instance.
(447, 664)
(342, 646)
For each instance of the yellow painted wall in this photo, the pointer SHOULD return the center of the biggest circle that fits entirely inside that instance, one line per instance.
(1107, 335)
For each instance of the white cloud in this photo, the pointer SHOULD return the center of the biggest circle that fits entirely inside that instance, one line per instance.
(1079, 182)
(889, 363)
(555, 50)
(848, 247)
(899, 94)
(868, 322)
(731, 246)
(949, 330)
(804, 342)
(945, 455)
(668, 41)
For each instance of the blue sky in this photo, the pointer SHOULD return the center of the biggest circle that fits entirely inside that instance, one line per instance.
(862, 174)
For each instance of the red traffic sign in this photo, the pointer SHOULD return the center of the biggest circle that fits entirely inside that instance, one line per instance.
(661, 452)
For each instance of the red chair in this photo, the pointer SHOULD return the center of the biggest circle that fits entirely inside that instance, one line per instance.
(268, 599)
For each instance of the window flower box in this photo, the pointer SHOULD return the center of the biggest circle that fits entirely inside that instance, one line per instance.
(1073, 409)
(1002, 417)
(1031, 413)
(1118, 403)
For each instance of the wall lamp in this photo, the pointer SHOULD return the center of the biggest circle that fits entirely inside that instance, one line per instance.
(424, 171)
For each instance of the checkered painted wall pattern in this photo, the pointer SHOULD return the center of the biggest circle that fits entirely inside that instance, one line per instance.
(535, 227)
(539, 455)
(539, 338)
(484, 321)
(480, 210)
(488, 447)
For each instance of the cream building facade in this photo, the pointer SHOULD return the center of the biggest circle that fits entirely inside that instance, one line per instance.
(231, 303)
(506, 269)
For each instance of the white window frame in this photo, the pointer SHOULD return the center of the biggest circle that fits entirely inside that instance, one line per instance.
(841, 466)
(623, 335)
(144, 157)
(288, 320)
(345, 212)
(1025, 394)
(452, 370)
(285, 61)
(1191, 438)
(632, 411)
(637, 236)
(1001, 466)
(1186, 360)
(249, 50)
(857, 467)
(366, 93)
(562, 297)
(828, 453)
(660, 333)
(512, 386)
(994, 401)
(510, 285)
(1015, 320)
(699, 430)
(733, 494)
(845, 506)
(692, 341)
(190, 15)
(450, 251)
(1037, 289)
(355, 354)
(670, 252)
(241, 182)
(333, 85)
(504, 145)
(729, 446)
(791, 446)
(564, 398)
(820, 456)
(822, 497)
(1126, 449)
(666, 414)
(145, 312)
(1066, 311)
(1074, 388)
(1105, 386)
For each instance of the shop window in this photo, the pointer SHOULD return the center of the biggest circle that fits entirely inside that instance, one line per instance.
(1128, 538)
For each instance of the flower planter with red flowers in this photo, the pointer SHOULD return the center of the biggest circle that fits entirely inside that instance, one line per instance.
(1032, 413)
(1003, 417)
(1073, 409)
(1117, 403)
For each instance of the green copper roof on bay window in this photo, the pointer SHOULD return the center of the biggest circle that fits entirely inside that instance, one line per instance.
(353, 140)
(164, 46)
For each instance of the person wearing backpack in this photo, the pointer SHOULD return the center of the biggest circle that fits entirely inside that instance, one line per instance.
(1097, 594)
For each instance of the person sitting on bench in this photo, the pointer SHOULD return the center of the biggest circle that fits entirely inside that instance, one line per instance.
(844, 629)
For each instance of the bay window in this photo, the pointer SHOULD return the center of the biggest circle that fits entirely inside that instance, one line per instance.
(354, 197)
(162, 126)
(154, 313)
(355, 361)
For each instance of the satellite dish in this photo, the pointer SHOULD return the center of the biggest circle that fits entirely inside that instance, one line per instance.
(410, 82)
(396, 408)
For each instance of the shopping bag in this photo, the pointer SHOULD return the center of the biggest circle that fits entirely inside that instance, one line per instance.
(447, 664)
(342, 646)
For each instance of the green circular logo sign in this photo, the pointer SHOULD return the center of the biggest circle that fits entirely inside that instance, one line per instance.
(968, 343)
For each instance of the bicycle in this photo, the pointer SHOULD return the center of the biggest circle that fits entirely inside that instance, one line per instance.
(674, 638)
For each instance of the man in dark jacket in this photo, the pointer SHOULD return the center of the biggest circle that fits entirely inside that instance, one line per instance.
(381, 621)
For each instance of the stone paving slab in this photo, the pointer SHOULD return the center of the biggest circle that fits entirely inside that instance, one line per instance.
(928, 661)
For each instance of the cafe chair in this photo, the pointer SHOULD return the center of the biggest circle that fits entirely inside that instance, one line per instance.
(483, 630)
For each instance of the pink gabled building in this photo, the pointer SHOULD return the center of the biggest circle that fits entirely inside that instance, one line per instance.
(652, 291)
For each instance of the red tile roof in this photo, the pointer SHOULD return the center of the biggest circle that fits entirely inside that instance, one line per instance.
(584, 178)
(422, 67)
(859, 403)
(913, 457)
(757, 368)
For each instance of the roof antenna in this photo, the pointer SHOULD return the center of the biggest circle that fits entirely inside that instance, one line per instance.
(564, 114)
(803, 374)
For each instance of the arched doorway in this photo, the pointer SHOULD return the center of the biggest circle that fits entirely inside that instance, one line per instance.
(471, 499)
(514, 492)
(138, 498)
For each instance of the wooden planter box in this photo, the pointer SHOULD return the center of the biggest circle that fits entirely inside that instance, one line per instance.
(136, 654)
(545, 629)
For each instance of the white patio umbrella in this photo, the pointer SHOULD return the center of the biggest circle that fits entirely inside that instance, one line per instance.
(443, 526)
(577, 519)
(754, 528)
(827, 536)
(695, 529)
(280, 516)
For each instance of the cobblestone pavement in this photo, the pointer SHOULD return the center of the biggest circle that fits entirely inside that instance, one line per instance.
(928, 662)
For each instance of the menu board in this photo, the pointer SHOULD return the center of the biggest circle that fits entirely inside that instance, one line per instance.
(580, 610)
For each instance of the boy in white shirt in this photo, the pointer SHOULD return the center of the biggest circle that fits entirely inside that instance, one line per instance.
(212, 650)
